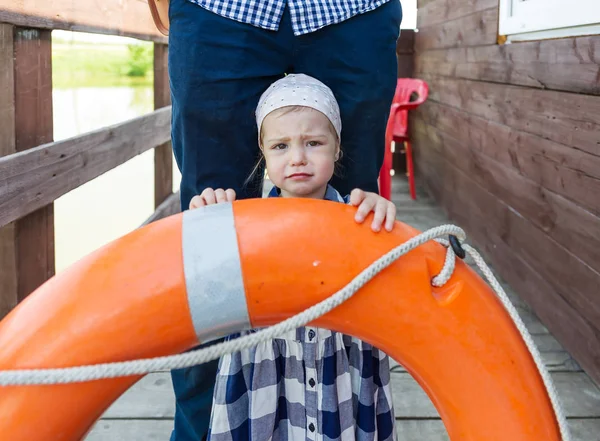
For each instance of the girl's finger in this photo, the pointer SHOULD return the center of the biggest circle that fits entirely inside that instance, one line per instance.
(357, 196)
(196, 202)
(209, 196)
(380, 213)
(365, 207)
(220, 195)
(230, 192)
(390, 218)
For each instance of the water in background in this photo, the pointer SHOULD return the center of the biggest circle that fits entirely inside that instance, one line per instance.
(116, 202)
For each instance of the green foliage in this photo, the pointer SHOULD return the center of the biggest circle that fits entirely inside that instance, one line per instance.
(140, 59)
(78, 64)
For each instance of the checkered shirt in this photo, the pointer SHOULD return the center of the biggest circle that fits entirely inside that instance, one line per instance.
(310, 384)
(307, 15)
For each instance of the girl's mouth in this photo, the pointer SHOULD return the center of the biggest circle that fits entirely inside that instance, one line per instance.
(299, 176)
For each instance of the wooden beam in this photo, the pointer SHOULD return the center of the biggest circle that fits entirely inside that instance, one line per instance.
(170, 206)
(8, 252)
(406, 42)
(129, 18)
(405, 57)
(575, 229)
(579, 396)
(163, 154)
(566, 118)
(33, 126)
(500, 234)
(444, 11)
(152, 397)
(405, 53)
(407, 429)
(31, 179)
(26, 246)
(479, 28)
(566, 64)
(569, 172)
(552, 224)
(8, 275)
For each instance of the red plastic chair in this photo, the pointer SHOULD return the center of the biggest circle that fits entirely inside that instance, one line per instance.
(397, 132)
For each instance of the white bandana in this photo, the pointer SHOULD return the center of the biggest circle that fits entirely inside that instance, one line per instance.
(299, 90)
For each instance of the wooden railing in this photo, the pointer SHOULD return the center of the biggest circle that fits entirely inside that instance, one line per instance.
(34, 178)
(34, 171)
(129, 18)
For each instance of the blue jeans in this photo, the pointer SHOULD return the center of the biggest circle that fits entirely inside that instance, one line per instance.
(218, 69)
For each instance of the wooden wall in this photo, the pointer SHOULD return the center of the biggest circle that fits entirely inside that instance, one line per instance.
(509, 144)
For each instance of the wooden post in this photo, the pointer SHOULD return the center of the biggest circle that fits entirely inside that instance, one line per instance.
(405, 53)
(163, 156)
(405, 56)
(8, 271)
(27, 245)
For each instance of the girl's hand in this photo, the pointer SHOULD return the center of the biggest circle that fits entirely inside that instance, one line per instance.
(210, 197)
(366, 202)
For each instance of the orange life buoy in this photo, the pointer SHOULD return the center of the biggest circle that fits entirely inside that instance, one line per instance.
(207, 272)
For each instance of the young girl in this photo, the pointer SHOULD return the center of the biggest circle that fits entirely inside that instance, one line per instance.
(312, 384)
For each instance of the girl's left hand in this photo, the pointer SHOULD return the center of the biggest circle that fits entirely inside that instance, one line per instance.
(384, 210)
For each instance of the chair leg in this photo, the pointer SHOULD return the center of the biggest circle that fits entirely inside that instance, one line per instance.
(385, 181)
(410, 170)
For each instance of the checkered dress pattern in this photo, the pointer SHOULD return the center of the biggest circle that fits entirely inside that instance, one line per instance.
(311, 384)
(307, 15)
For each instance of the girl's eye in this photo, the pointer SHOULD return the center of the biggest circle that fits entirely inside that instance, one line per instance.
(279, 147)
(313, 143)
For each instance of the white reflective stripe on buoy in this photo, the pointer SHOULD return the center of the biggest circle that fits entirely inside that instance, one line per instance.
(213, 273)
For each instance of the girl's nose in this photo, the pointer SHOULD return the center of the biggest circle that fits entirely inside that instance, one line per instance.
(298, 156)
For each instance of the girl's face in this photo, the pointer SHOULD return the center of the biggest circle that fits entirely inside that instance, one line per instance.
(300, 148)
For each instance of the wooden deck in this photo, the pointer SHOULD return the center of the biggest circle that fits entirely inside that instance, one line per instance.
(146, 411)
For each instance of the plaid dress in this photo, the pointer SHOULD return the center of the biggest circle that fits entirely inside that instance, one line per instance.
(311, 384)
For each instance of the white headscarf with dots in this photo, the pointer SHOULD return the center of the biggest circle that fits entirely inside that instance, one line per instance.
(299, 90)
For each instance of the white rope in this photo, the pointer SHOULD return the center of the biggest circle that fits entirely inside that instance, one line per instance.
(448, 268)
(533, 350)
(144, 366)
(443, 277)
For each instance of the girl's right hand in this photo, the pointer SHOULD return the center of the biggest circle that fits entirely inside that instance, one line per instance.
(210, 197)
(384, 211)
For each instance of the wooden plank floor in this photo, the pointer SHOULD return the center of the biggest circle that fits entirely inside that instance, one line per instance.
(145, 412)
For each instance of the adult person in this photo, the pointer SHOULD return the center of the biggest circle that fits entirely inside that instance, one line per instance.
(223, 54)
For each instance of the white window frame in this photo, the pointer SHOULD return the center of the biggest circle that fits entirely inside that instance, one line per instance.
(540, 19)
